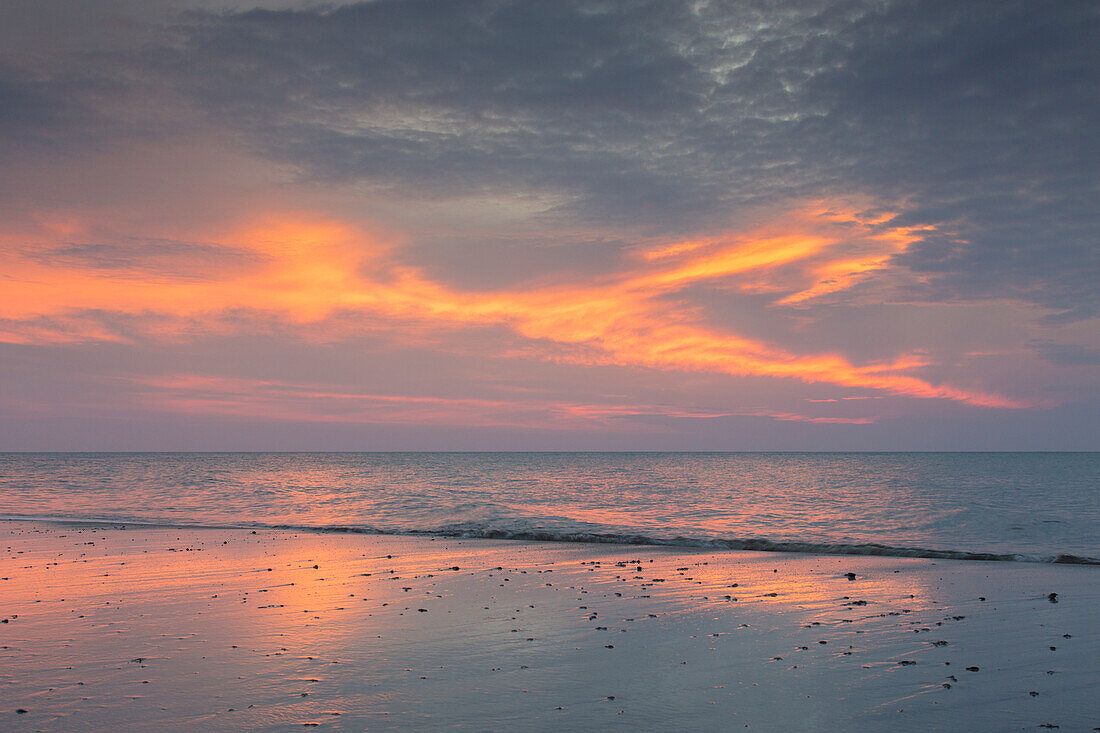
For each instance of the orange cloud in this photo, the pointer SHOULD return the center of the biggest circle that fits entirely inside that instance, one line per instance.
(277, 400)
(795, 417)
(306, 270)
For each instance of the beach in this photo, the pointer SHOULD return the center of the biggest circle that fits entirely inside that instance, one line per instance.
(498, 365)
(137, 628)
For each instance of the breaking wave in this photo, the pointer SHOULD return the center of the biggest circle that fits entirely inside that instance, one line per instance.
(490, 532)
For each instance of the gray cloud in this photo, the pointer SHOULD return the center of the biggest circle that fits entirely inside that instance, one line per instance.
(984, 117)
(980, 117)
(33, 111)
(145, 257)
(459, 97)
(492, 263)
(1067, 354)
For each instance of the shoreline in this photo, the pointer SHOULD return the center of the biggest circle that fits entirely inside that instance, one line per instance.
(243, 629)
(857, 549)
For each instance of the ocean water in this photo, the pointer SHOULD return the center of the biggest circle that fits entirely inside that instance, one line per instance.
(1008, 506)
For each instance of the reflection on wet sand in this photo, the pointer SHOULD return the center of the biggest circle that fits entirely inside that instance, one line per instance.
(230, 629)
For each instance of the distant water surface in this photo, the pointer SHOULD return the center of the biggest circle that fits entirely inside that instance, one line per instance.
(1025, 506)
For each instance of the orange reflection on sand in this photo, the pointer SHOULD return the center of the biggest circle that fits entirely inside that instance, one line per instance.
(817, 584)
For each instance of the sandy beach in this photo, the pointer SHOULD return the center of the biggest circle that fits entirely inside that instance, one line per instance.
(141, 628)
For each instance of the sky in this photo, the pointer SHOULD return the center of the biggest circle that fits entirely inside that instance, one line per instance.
(560, 225)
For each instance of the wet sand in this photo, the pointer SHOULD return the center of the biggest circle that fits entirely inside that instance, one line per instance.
(138, 629)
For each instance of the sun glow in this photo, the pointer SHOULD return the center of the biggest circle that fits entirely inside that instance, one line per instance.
(305, 271)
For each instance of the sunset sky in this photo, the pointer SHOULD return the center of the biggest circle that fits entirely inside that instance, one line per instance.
(403, 225)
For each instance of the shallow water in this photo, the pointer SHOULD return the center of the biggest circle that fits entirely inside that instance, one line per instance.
(1021, 505)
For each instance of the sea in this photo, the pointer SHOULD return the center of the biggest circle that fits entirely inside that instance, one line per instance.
(1029, 507)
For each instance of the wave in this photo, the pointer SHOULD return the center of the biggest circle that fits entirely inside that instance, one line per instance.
(476, 531)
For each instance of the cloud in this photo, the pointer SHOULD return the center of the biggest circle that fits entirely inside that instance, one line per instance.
(312, 272)
(976, 119)
(870, 195)
(979, 118)
(294, 402)
(149, 258)
(984, 116)
(1070, 355)
(444, 98)
(54, 113)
